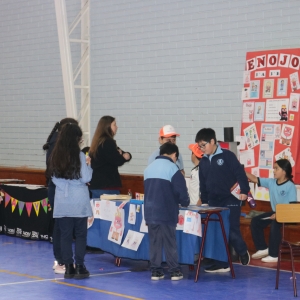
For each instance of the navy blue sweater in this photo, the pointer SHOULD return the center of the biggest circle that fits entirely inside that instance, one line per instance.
(219, 174)
(165, 188)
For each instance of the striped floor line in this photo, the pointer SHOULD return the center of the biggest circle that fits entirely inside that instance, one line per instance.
(62, 282)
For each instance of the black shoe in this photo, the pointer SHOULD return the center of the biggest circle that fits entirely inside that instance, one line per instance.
(216, 269)
(70, 271)
(81, 272)
(245, 259)
(176, 275)
(157, 275)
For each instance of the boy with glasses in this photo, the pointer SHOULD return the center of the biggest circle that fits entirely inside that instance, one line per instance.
(219, 170)
(167, 134)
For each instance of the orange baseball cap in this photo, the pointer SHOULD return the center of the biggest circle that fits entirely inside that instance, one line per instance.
(167, 131)
(196, 150)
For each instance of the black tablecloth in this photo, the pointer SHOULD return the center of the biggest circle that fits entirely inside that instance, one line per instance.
(15, 223)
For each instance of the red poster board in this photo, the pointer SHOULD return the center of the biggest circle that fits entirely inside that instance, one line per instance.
(271, 106)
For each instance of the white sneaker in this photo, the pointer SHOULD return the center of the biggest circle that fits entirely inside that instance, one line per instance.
(60, 269)
(260, 254)
(55, 264)
(269, 259)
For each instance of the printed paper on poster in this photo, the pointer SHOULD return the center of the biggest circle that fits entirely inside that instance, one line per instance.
(246, 158)
(248, 108)
(282, 86)
(266, 150)
(251, 135)
(286, 154)
(254, 89)
(259, 111)
(294, 79)
(268, 88)
(246, 77)
(287, 133)
(294, 102)
(276, 110)
(245, 93)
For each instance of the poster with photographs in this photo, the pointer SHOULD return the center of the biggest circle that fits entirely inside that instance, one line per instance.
(268, 89)
(294, 79)
(259, 111)
(294, 102)
(282, 86)
(254, 89)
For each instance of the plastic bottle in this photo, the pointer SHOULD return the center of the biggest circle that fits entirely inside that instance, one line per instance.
(251, 200)
(129, 193)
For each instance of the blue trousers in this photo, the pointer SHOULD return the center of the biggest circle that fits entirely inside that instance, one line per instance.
(235, 236)
(67, 226)
(257, 229)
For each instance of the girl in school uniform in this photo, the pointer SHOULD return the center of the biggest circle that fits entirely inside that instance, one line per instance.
(282, 190)
(70, 171)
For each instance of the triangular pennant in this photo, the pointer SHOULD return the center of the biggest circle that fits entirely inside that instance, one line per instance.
(36, 206)
(7, 198)
(44, 204)
(14, 203)
(21, 206)
(28, 208)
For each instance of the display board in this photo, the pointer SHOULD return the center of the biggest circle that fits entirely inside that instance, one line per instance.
(270, 118)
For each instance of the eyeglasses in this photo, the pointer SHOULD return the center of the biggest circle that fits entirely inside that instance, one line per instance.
(203, 145)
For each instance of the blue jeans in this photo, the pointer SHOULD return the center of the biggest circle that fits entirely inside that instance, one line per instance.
(97, 193)
(67, 226)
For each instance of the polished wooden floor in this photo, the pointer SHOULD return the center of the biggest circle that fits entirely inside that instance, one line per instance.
(26, 272)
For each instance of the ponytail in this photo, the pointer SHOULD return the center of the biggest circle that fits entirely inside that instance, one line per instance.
(46, 146)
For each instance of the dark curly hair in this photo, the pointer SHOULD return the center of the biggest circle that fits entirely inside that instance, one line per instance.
(64, 161)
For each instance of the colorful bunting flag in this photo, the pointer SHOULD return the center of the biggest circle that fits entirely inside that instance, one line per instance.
(45, 204)
(36, 206)
(7, 198)
(21, 206)
(14, 203)
(28, 207)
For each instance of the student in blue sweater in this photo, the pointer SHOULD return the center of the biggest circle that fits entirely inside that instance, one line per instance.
(70, 171)
(219, 170)
(165, 190)
(282, 190)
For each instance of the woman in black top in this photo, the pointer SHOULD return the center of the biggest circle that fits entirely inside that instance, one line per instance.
(106, 157)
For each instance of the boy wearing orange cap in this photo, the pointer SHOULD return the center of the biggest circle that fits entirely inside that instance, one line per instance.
(194, 188)
(167, 134)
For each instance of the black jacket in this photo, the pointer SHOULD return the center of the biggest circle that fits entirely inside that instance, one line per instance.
(105, 166)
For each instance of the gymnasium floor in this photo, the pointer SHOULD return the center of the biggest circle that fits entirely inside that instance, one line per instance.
(26, 272)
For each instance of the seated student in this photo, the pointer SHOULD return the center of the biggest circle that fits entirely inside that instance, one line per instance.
(219, 170)
(167, 134)
(165, 189)
(282, 190)
(194, 189)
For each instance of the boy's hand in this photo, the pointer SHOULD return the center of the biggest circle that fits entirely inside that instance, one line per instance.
(243, 197)
(273, 217)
